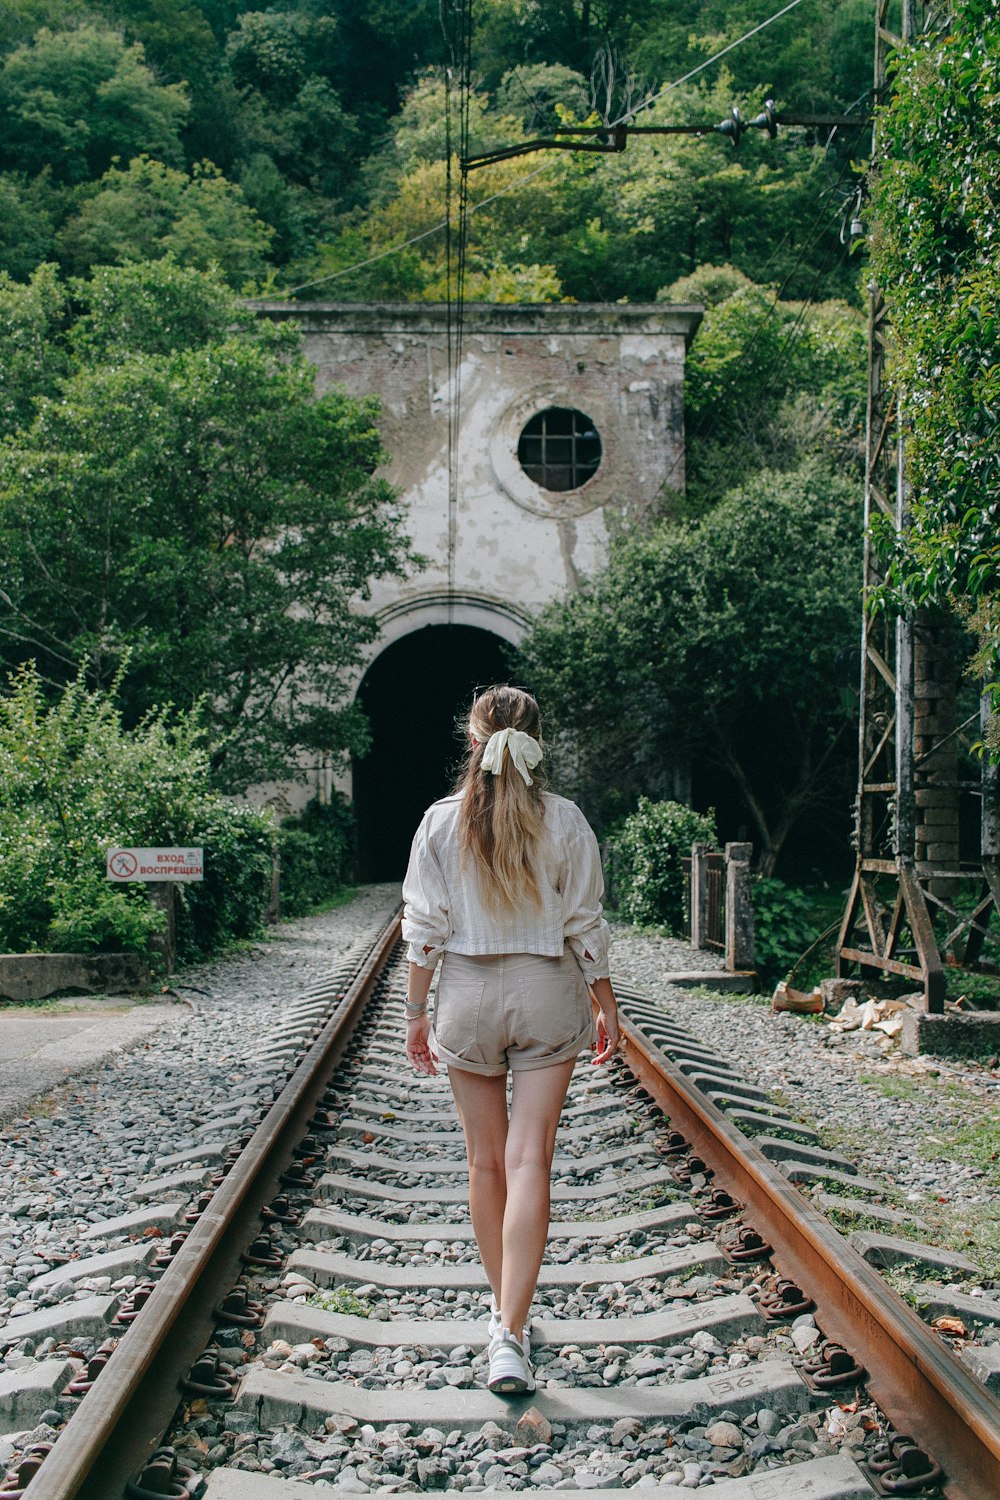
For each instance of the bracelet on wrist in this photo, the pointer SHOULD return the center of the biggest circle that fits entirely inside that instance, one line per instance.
(414, 1008)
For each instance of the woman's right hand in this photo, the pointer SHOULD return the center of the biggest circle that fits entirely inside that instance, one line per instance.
(608, 1035)
(418, 1050)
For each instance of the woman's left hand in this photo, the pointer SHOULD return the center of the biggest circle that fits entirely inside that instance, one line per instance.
(418, 1050)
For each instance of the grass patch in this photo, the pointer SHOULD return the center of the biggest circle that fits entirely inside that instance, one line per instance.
(732, 997)
(974, 1145)
(343, 897)
(890, 1087)
(47, 1007)
(340, 1299)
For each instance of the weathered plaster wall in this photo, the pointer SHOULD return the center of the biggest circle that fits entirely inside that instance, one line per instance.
(510, 546)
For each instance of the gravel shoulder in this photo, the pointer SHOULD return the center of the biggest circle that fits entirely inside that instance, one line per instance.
(926, 1126)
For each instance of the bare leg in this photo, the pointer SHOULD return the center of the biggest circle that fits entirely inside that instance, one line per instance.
(536, 1103)
(482, 1109)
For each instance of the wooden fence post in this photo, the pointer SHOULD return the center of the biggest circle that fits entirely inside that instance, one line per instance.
(739, 908)
(699, 895)
(162, 895)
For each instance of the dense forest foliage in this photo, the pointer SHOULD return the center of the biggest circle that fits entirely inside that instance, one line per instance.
(290, 144)
(936, 251)
(159, 158)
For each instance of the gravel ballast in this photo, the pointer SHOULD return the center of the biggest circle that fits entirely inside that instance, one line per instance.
(893, 1115)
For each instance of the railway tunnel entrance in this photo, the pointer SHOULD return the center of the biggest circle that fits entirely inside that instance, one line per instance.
(413, 692)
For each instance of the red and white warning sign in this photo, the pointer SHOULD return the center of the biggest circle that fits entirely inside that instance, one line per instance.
(155, 864)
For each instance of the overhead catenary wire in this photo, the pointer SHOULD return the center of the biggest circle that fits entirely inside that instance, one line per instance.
(458, 40)
(707, 63)
(547, 166)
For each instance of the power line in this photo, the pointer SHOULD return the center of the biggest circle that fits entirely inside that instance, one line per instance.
(474, 208)
(513, 187)
(667, 88)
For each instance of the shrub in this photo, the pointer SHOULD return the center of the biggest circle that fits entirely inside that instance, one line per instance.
(646, 859)
(316, 854)
(784, 927)
(73, 782)
(230, 902)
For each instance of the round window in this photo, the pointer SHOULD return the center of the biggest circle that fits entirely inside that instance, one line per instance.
(559, 448)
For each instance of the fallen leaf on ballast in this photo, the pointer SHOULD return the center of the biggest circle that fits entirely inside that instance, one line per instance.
(948, 1324)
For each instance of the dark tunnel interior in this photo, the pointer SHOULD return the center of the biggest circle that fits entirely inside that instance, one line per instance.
(413, 693)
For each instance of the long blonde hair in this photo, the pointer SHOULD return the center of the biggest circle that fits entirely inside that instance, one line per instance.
(501, 818)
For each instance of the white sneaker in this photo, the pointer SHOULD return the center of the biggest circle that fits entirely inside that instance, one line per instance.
(493, 1331)
(510, 1369)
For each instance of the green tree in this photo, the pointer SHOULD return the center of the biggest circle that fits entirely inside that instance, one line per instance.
(718, 643)
(28, 214)
(202, 509)
(936, 253)
(768, 383)
(149, 210)
(175, 36)
(74, 100)
(33, 356)
(610, 227)
(75, 781)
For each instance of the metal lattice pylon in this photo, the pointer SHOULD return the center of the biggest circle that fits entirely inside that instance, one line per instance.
(903, 917)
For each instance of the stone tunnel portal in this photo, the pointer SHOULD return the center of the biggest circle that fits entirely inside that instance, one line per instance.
(413, 693)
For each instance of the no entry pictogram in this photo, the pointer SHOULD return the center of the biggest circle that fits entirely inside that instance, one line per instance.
(122, 864)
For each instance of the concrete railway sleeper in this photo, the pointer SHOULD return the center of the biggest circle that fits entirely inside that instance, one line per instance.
(312, 1298)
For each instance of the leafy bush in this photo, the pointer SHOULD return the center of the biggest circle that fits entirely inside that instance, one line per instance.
(316, 854)
(231, 900)
(646, 854)
(74, 782)
(784, 927)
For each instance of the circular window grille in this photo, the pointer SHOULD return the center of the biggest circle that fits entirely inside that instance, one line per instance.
(559, 448)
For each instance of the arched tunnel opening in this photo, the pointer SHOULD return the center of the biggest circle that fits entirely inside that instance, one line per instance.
(413, 693)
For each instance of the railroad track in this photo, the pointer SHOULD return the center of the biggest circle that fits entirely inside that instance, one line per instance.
(321, 1318)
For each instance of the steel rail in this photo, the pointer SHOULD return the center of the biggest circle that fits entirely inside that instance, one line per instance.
(121, 1421)
(913, 1377)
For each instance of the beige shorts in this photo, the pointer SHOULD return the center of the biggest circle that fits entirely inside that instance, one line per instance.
(511, 1010)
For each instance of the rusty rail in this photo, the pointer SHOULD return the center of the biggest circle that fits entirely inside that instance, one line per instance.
(913, 1377)
(122, 1419)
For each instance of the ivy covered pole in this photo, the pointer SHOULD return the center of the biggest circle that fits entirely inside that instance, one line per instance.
(886, 895)
(927, 493)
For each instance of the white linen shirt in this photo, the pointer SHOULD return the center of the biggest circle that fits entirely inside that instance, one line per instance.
(444, 911)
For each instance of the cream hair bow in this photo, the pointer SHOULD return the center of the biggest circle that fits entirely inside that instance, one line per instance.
(524, 752)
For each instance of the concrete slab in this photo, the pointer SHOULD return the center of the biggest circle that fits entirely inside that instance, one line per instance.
(891, 1250)
(707, 1078)
(984, 1362)
(131, 1260)
(162, 1216)
(25, 1394)
(807, 1171)
(679, 1052)
(940, 1301)
(330, 1268)
(816, 1479)
(372, 1161)
(88, 1318)
(323, 1223)
(450, 1131)
(860, 1208)
(725, 1317)
(817, 1156)
(973, 1034)
(337, 1185)
(749, 1120)
(274, 1398)
(40, 1052)
(737, 1098)
(187, 1183)
(207, 1151)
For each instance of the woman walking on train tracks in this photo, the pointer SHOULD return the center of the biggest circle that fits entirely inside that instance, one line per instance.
(504, 887)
